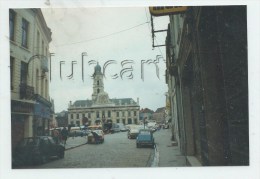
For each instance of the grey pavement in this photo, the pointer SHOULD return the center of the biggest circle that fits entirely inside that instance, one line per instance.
(167, 154)
(73, 142)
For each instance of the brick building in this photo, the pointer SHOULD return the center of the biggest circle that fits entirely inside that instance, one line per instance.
(207, 76)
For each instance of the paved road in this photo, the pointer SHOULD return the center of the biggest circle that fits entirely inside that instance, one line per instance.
(116, 152)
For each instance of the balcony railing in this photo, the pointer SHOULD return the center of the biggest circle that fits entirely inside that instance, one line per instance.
(26, 91)
(42, 100)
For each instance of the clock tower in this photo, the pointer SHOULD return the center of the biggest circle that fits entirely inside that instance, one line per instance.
(98, 85)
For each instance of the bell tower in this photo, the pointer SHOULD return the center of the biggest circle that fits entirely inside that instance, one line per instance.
(98, 85)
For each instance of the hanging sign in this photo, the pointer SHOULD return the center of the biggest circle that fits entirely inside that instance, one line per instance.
(167, 10)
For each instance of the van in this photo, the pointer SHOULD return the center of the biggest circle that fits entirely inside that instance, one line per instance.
(75, 132)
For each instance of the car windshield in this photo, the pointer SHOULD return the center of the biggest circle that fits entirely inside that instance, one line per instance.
(144, 137)
(98, 132)
(145, 132)
(29, 142)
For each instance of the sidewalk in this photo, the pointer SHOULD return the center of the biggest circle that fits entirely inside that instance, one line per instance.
(75, 142)
(167, 155)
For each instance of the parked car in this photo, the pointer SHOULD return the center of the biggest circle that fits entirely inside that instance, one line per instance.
(122, 127)
(115, 128)
(166, 126)
(133, 131)
(36, 150)
(76, 131)
(96, 137)
(145, 138)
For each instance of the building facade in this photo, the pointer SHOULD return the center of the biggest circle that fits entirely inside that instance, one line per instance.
(101, 108)
(159, 116)
(207, 77)
(146, 115)
(29, 83)
(61, 119)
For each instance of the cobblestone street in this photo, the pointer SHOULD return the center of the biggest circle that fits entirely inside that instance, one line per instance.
(116, 152)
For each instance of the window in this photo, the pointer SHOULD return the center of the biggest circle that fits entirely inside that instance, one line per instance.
(37, 81)
(46, 88)
(77, 116)
(89, 115)
(25, 26)
(109, 114)
(134, 113)
(129, 113)
(12, 72)
(97, 82)
(11, 24)
(83, 115)
(71, 116)
(97, 114)
(23, 75)
(123, 121)
(103, 114)
(78, 123)
(42, 47)
(117, 114)
(123, 113)
(117, 121)
(45, 141)
(38, 43)
(42, 86)
(135, 121)
(97, 91)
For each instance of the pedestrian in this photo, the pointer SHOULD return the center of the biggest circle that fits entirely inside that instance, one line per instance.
(64, 134)
(56, 136)
(96, 137)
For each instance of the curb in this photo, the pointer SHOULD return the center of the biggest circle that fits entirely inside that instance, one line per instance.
(155, 162)
(75, 146)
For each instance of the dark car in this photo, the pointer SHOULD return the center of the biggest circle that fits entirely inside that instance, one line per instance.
(145, 138)
(36, 150)
(115, 129)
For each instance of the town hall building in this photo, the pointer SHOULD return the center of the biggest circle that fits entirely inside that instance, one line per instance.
(101, 108)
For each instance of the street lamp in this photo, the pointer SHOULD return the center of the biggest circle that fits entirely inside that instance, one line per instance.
(44, 68)
(44, 62)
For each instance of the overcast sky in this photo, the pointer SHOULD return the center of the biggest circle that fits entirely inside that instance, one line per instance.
(118, 34)
(70, 26)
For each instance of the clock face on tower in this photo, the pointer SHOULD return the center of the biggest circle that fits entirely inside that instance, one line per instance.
(103, 99)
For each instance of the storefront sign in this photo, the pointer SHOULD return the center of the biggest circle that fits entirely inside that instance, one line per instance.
(167, 10)
(21, 107)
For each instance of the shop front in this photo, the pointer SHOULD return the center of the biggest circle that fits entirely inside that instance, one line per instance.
(21, 120)
(42, 115)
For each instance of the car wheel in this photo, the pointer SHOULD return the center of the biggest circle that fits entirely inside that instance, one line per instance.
(61, 154)
(43, 159)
